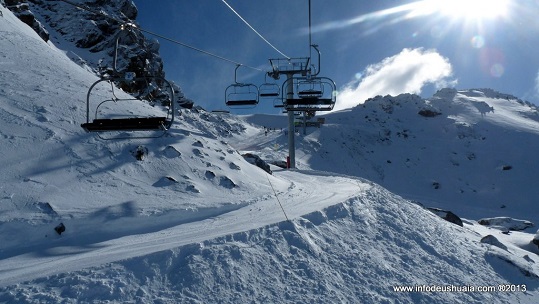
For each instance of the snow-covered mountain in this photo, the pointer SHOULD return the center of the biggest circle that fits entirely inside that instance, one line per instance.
(470, 151)
(88, 30)
(194, 222)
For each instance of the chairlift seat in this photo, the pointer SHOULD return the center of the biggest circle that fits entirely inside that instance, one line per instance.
(126, 124)
(248, 102)
(309, 101)
(310, 93)
(270, 94)
(310, 104)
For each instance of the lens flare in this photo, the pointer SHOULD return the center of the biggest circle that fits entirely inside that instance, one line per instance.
(478, 42)
(497, 70)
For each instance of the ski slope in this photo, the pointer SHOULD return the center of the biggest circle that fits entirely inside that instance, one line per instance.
(193, 222)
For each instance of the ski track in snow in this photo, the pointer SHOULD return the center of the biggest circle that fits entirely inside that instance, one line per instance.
(64, 258)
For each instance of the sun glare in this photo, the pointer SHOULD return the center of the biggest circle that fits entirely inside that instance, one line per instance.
(469, 9)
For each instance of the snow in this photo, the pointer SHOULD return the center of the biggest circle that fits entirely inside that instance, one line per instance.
(194, 222)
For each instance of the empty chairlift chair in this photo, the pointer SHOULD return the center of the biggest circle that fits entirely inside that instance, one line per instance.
(114, 114)
(269, 90)
(310, 94)
(241, 95)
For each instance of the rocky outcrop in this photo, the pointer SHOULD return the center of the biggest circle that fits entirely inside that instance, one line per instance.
(507, 223)
(257, 161)
(21, 9)
(428, 113)
(536, 239)
(94, 31)
(447, 215)
(492, 240)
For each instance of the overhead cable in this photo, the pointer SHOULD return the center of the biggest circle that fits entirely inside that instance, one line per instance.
(252, 28)
(83, 7)
(198, 50)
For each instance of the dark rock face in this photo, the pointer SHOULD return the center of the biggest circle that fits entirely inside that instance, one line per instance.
(257, 161)
(508, 223)
(447, 215)
(492, 240)
(91, 37)
(536, 239)
(21, 9)
(429, 113)
(87, 30)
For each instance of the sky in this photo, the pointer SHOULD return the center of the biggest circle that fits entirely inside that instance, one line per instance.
(368, 48)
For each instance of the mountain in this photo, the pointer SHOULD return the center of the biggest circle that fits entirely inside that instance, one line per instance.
(476, 147)
(185, 218)
(88, 32)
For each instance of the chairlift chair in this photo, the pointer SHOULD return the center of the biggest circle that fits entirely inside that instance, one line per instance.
(269, 90)
(311, 94)
(241, 95)
(159, 90)
(114, 120)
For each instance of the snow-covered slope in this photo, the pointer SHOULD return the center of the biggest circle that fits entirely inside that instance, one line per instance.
(193, 222)
(475, 154)
(46, 152)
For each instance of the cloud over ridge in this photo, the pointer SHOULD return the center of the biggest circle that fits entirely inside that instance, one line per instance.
(407, 72)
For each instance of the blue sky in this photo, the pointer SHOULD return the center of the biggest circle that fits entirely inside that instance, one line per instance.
(368, 47)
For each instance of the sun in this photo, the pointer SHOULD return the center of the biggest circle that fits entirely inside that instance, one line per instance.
(468, 9)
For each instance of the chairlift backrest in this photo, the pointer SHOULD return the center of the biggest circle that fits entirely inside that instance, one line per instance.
(310, 87)
(268, 90)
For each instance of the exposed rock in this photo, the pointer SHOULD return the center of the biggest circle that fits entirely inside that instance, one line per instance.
(227, 182)
(140, 152)
(234, 166)
(506, 222)
(536, 239)
(97, 33)
(447, 215)
(428, 113)
(21, 9)
(280, 164)
(492, 240)
(257, 161)
(60, 228)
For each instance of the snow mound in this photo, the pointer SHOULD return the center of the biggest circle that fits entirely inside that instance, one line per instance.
(388, 243)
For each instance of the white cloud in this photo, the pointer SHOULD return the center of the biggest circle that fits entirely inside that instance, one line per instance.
(407, 72)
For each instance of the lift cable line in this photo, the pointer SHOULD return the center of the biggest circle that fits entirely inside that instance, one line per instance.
(84, 7)
(198, 50)
(252, 28)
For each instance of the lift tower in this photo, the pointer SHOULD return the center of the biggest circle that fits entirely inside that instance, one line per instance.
(289, 67)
